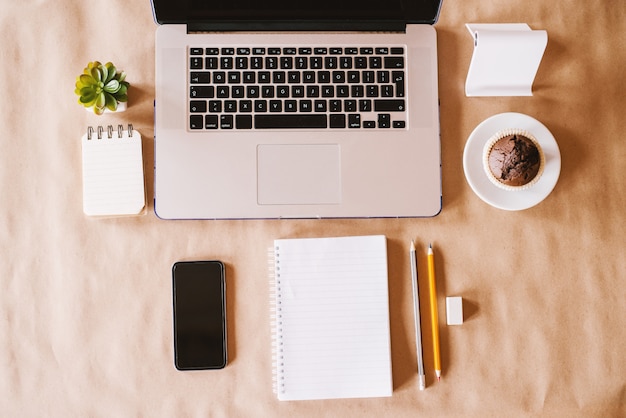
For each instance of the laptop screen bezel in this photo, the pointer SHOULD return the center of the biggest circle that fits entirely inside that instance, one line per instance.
(383, 18)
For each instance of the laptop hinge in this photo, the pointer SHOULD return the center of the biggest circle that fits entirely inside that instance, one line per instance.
(291, 25)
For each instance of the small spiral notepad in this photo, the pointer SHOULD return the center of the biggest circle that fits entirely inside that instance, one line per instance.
(330, 318)
(113, 181)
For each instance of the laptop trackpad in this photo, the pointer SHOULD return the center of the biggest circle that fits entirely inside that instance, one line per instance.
(299, 174)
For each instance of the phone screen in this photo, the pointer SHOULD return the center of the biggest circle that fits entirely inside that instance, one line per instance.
(199, 315)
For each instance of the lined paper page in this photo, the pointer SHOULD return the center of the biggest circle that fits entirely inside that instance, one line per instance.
(113, 182)
(332, 318)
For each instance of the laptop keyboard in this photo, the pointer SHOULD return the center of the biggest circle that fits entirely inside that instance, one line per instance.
(243, 88)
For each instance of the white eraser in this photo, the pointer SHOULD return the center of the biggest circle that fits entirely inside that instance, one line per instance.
(454, 310)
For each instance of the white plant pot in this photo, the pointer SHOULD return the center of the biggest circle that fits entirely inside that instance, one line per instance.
(121, 106)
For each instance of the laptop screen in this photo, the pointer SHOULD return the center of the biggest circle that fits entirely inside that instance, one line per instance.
(219, 11)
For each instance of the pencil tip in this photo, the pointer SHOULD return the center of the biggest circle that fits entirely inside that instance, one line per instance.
(412, 245)
(438, 378)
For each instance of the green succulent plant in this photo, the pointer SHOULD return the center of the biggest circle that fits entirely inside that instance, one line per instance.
(101, 86)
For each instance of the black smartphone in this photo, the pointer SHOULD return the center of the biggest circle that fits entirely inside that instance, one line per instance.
(199, 289)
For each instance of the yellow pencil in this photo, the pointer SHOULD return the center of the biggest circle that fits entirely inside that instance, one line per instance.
(433, 310)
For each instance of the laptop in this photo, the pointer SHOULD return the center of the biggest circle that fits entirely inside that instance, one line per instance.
(270, 109)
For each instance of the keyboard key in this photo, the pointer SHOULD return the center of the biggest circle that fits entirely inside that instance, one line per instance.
(241, 63)
(306, 106)
(339, 77)
(313, 91)
(286, 63)
(394, 62)
(316, 63)
(243, 122)
(210, 122)
(360, 62)
(260, 106)
(389, 105)
(256, 63)
(290, 121)
(249, 77)
(201, 92)
(238, 92)
(245, 106)
(196, 51)
(215, 106)
(343, 91)
(200, 77)
(211, 63)
(354, 120)
(291, 106)
(320, 105)
(397, 77)
(399, 124)
(384, 120)
(375, 62)
(197, 106)
(271, 63)
(338, 121)
(365, 105)
(212, 51)
(276, 106)
(219, 77)
(279, 77)
(330, 63)
(323, 77)
(195, 121)
(226, 121)
(234, 77)
(264, 76)
(196, 63)
(230, 106)
(267, 92)
(222, 92)
(253, 92)
(226, 63)
(345, 63)
(397, 51)
(335, 105)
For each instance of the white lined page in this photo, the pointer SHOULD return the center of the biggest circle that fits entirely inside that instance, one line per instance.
(113, 181)
(332, 318)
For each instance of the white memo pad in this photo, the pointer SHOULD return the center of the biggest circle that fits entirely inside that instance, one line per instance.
(113, 180)
(505, 60)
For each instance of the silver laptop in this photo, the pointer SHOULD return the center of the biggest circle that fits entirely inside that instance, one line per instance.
(291, 109)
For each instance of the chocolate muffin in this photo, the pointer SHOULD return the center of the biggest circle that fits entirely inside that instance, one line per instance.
(513, 159)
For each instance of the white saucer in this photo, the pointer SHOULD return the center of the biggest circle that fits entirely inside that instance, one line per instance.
(489, 192)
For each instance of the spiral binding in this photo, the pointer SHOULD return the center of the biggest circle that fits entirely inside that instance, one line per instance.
(278, 383)
(100, 131)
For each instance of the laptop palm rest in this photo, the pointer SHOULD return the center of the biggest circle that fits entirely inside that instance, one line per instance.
(299, 174)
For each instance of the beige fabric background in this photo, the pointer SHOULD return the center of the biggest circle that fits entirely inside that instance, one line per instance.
(85, 305)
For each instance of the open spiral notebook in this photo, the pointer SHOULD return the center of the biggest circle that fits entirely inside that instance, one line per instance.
(330, 318)
(113, 180)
